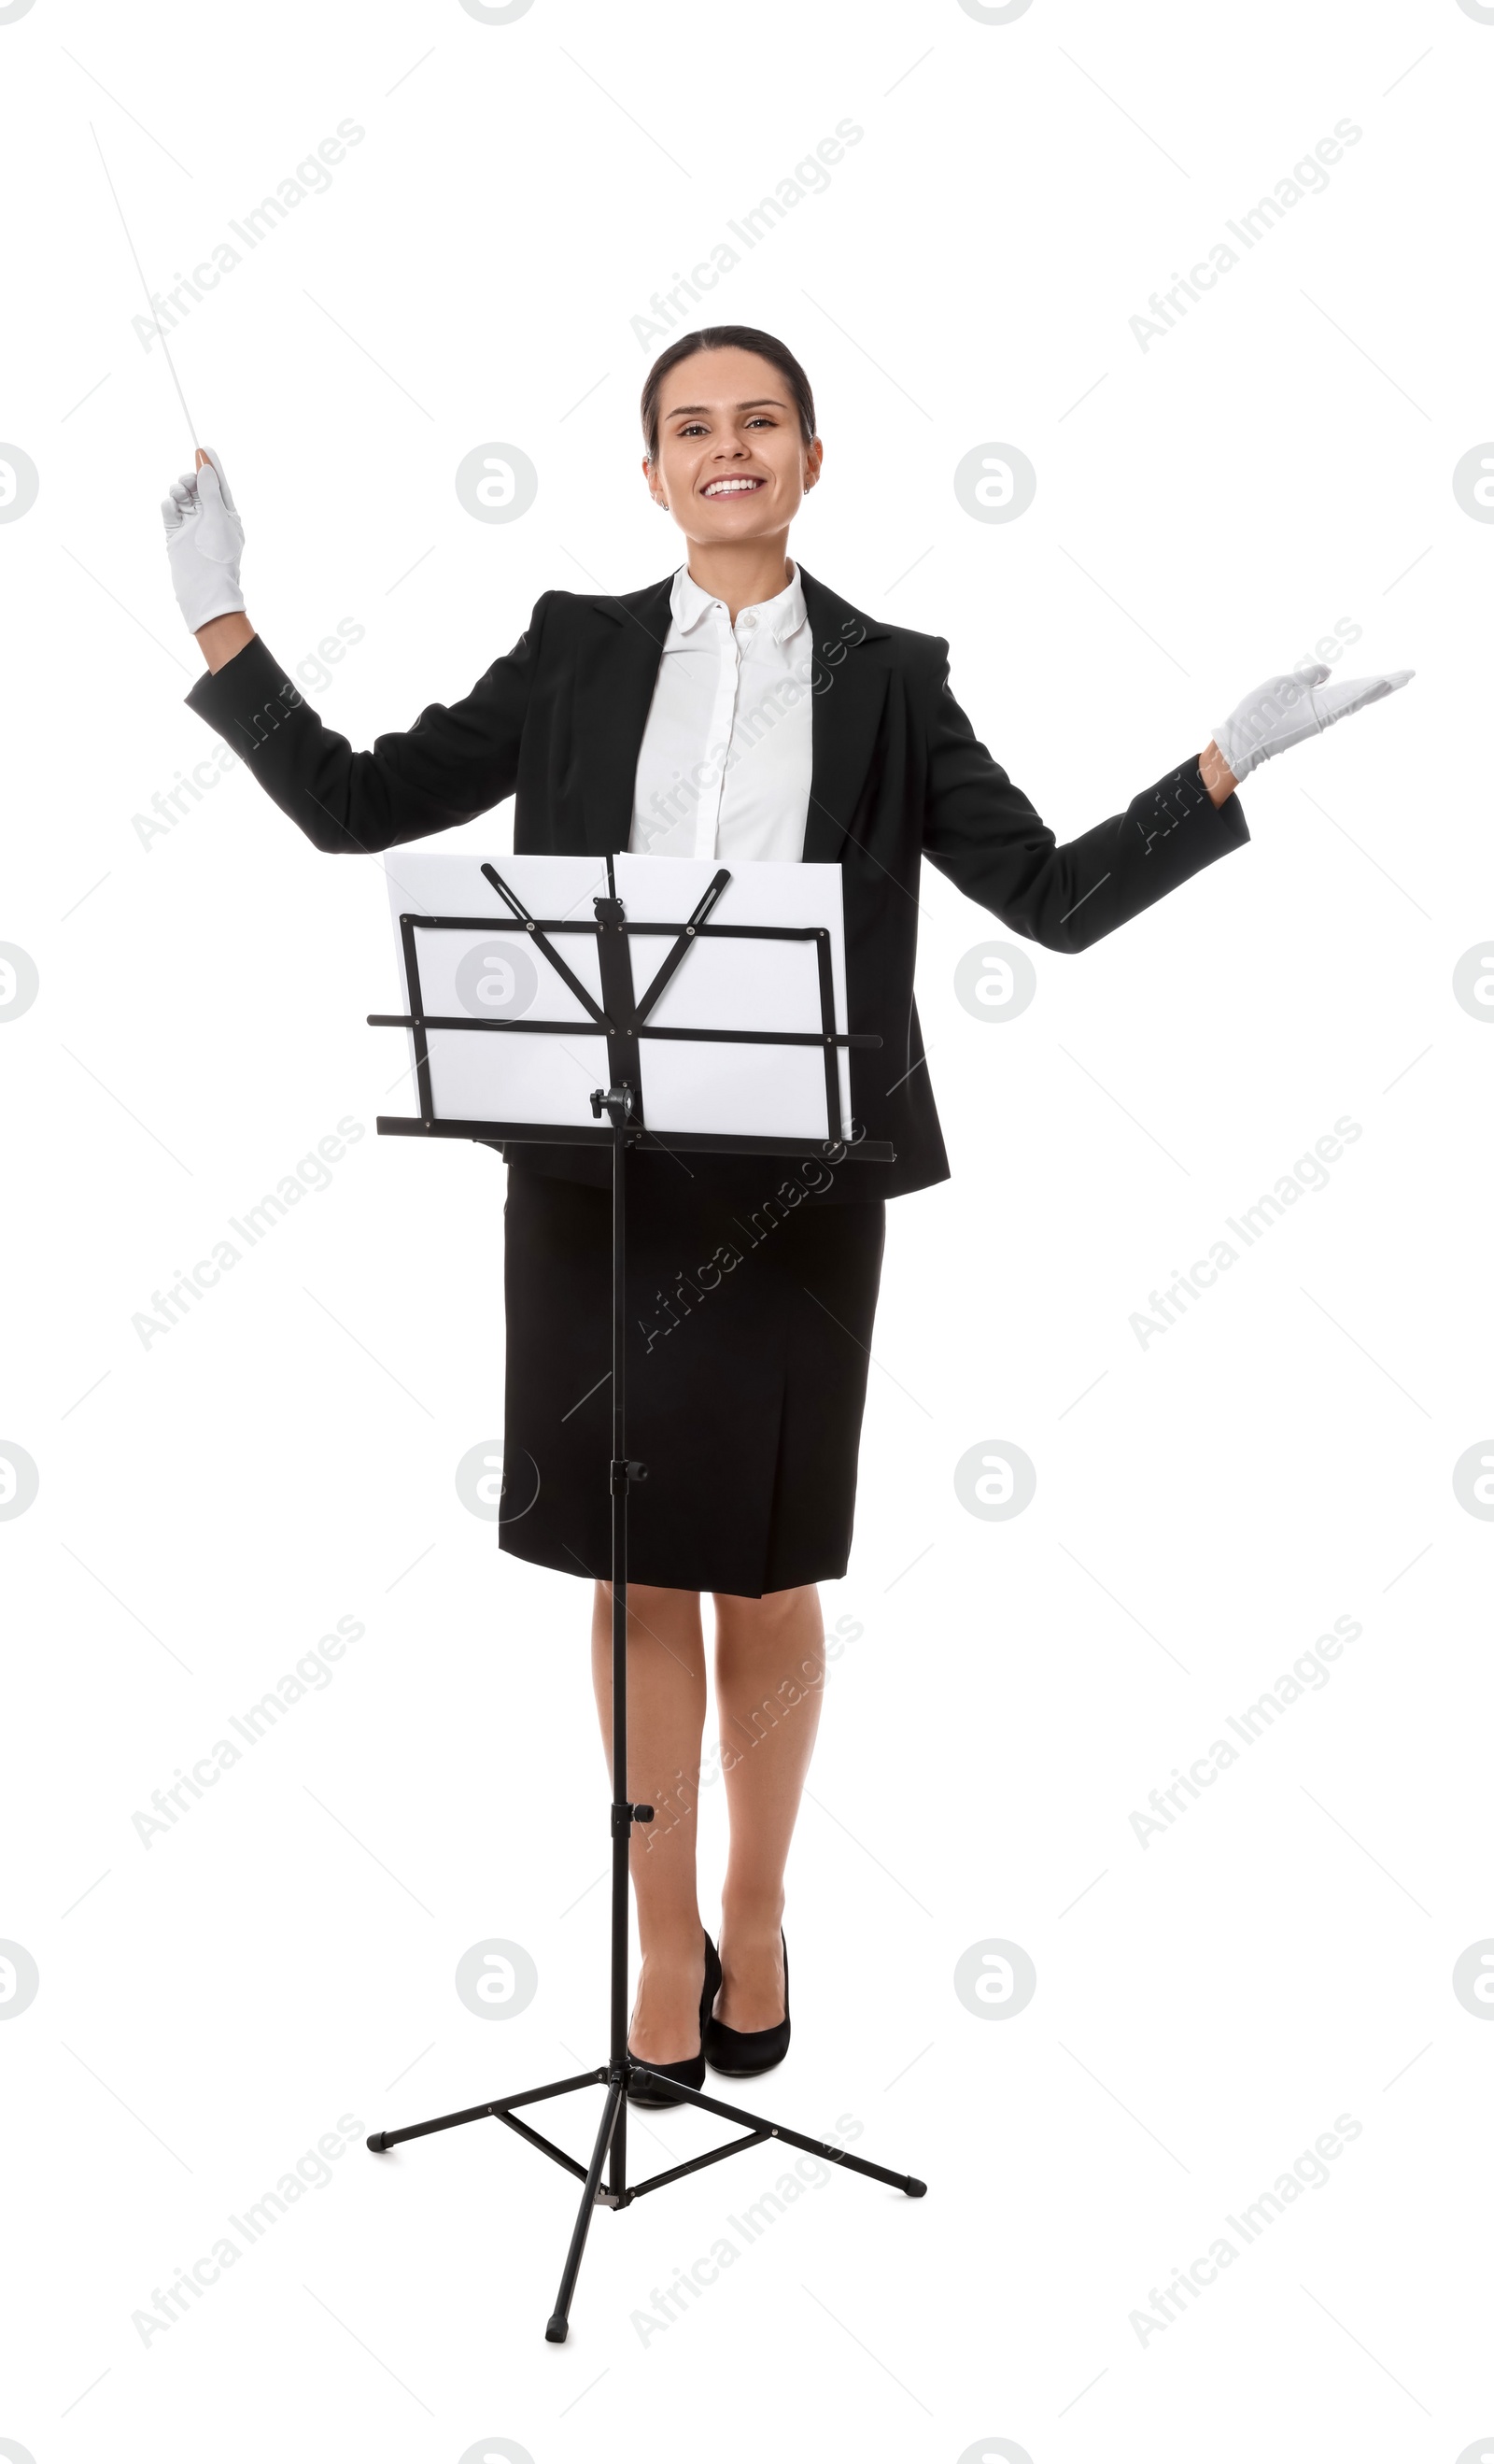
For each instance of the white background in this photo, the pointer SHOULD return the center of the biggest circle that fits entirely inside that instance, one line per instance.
(212, 1503)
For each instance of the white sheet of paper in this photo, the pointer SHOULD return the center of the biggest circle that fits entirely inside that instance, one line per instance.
(741, 1089)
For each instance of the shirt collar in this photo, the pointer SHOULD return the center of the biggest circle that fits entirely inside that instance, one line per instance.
(780, 616)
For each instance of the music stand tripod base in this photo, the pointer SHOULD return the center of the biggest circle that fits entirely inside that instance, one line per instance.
(754, 2132)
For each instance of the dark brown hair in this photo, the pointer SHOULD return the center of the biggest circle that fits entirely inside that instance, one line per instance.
(727, 338)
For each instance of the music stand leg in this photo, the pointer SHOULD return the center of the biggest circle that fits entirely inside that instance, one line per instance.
(760, 2130)
(558, 2326)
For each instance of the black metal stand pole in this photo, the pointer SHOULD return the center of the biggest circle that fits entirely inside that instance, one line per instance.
(611, 2145)
(622, 1811)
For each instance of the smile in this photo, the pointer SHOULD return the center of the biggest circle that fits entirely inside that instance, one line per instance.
(734, 487)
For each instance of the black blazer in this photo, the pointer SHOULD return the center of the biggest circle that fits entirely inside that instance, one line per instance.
(898, 773)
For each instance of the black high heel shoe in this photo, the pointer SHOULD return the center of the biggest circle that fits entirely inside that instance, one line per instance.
(741, 2052)
(648, 2087)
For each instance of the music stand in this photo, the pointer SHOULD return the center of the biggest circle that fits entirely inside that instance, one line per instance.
(624, 1019)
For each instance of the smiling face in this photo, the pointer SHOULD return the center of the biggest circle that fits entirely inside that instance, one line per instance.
(732, 464)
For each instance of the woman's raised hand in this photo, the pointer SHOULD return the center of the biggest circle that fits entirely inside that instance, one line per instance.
(204, 540)
(1286, 710)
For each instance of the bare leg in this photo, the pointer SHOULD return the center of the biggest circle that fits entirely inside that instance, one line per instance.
(769, 1683)
(666, 1715)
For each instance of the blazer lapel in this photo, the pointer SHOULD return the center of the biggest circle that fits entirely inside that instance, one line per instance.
(849, 692)
(618, 673)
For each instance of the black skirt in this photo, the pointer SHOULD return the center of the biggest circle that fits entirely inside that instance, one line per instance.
(750, 1315)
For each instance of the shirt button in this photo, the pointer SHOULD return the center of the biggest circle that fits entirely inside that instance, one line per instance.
(748, 622)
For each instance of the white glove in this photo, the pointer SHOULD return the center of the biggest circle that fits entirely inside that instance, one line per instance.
(205, 540)
(1286, 710)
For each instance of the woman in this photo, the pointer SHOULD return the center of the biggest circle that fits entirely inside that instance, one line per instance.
(738, 708)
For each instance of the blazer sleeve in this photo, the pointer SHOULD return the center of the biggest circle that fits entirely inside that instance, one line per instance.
(981, 831)
(452, 764)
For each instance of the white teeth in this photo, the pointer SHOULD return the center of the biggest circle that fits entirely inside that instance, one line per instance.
(733, 486)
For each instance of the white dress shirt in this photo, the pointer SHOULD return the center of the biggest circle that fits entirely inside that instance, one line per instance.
(725, 764)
